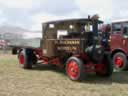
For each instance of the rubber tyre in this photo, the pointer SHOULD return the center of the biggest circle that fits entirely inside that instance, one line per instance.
(34, 59)
(25, 59)
(125, 64)
(108, 66)
(80, 65)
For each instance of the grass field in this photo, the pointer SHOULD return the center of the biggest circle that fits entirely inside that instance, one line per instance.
(46, 81)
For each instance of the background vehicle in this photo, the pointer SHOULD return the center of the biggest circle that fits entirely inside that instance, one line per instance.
(119, 44)
(71, 44)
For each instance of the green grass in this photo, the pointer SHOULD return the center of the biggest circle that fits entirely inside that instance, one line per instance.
(45, 81)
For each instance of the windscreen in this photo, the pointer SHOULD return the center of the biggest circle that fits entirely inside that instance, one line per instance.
(116, 28)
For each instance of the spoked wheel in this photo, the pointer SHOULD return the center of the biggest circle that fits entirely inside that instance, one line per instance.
(120, 61)
(105, 69)
(75, 69)
(25, 60)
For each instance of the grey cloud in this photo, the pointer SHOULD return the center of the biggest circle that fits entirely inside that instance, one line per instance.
(55, 7)
(21, 16)
(120, 9)
(16, 16)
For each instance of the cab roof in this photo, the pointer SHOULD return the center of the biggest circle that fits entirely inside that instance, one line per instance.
(70, 21)
(120, 21)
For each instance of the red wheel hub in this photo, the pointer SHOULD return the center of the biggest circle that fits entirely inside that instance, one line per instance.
(73, 69)
(22, 59)
(119, 61)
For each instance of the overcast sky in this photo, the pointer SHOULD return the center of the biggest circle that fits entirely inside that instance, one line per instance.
(31, 13)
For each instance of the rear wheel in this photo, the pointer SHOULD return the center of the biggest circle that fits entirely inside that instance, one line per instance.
(120, 61)
(106, 68)
(75, 69)
(25, 59)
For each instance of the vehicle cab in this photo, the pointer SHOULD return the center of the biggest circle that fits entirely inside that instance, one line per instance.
(119, 44)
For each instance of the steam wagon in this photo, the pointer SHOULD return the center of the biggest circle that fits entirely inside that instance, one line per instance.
(73, 45)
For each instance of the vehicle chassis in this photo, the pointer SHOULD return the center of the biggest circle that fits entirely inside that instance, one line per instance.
(78, 52)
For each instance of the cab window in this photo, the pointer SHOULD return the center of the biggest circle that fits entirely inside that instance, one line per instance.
(125, 28)
(116, 28)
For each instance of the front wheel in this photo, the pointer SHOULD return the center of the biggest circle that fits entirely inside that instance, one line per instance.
(75, 69)
(120, 61)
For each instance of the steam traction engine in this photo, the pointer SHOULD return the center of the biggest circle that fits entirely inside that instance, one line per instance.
(71, 44)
